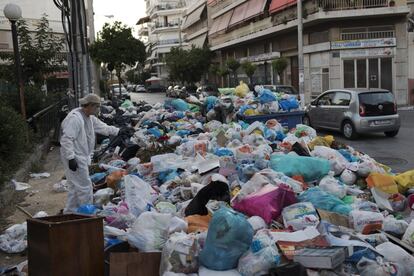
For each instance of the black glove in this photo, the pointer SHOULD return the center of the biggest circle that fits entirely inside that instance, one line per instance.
(73, 165)
(126, 131)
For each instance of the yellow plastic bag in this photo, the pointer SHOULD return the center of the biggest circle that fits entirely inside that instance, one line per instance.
(383, 182)
(241, 90)
(405, 180)
(319, 141)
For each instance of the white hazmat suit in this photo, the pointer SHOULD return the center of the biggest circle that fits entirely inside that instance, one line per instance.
(78, 142)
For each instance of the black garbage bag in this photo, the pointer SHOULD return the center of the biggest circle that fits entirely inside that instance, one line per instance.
(216, 190)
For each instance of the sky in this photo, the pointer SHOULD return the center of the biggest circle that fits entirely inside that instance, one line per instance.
(126, 11)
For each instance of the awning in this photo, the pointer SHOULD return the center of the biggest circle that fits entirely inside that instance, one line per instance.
(211, 2)
(199, 41)
(254, 8)
(221, 23)
(143, 20)
(277, 5)
(194, 16)
(238, 14)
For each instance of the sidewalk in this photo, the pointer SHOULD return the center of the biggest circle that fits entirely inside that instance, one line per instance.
(40, 197)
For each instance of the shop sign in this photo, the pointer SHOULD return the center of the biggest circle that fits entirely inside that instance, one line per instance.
(364, 43)
(261, 57)
(375, 52)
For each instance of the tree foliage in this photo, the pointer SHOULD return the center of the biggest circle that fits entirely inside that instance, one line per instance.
(40, 54)
(117, 47)
(188, 66)
(279, 65)
(233, 65)
(249, 68)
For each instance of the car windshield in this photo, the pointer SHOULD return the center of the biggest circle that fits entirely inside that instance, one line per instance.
(287, 90)
(377, 103)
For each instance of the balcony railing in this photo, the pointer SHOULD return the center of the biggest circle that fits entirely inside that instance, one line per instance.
(367, 35)
(332, 5)
(168, 41)
(164, 7)
(174, 23)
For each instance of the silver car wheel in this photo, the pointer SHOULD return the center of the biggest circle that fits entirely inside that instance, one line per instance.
(348, 130)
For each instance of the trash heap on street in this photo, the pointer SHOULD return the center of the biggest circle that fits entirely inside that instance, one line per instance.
(213, 193)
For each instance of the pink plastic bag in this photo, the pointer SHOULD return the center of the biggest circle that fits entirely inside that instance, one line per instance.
(268, 205)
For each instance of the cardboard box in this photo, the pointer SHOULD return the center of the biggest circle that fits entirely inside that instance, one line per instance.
(321, 258)
(333, 218)
(135, 264)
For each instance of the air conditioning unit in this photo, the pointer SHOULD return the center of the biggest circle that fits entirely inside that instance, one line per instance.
(391, 3)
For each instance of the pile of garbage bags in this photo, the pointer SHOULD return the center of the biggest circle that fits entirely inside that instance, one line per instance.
(249, 199)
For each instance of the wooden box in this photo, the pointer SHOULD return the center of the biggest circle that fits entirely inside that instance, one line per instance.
(65, 245)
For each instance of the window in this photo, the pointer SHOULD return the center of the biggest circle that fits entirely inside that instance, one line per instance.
(368, 73)
(361, 73)
(368, 32)
(341, 99)
(318, 37)
(349, 74)
(326, 99)
(325, 79)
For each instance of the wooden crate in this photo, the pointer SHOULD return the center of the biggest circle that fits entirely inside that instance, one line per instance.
(65, 245)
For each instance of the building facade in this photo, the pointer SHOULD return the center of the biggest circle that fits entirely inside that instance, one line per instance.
(163, 28)
(195, 24)
(347, 44)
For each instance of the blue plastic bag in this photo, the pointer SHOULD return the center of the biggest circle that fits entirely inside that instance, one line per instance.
(345, 153)
(267, 96)
(180, 105)
(210, 102)
(322, 200)
(229, 236)
(289, 104)
(183, 133)
(96, 177)
(155, 131)
(87, 209)
(223, 152)
(311, 168)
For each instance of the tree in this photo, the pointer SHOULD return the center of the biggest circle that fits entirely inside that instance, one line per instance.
(223, 72)
(279, 65)
(233, 65)
(40, 55)
(116, 47)
(249, 68)
(188, 66)
(213, 70)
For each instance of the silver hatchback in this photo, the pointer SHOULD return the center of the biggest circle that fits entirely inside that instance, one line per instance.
(354, 111)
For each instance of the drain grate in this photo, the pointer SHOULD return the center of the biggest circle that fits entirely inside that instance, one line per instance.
(391, 161)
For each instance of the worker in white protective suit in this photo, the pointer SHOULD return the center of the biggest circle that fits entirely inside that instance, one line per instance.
(77, 144)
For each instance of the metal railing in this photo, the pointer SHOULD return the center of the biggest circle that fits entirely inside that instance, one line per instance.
(174, 23)
(46, 121)
(351, 4)
(367, 35)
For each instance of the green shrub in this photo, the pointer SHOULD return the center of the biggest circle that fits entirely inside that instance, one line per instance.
(14, 141)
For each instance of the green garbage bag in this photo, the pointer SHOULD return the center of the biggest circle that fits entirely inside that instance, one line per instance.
(311, 168)
(127, 104)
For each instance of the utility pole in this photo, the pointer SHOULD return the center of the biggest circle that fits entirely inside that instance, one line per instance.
(300, 55)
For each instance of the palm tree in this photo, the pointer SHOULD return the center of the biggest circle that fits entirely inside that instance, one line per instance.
(249, 69)
(222, 72)
(279, 65)
(233, 65)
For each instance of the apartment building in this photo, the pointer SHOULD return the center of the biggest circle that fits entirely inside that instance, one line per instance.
(195, 24)
(347, 43)
(164, 32)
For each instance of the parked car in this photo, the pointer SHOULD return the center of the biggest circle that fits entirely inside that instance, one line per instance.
(140, 88)
(130, 87)
(354, 111)
(153, 88)
(114, 88)
(208, 90)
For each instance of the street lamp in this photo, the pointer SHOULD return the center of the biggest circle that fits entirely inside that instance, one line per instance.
(14, 13)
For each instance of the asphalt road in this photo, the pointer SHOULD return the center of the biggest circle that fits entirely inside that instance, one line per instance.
(397, 152)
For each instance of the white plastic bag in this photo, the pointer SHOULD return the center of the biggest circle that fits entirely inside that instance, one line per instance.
(14, 239)
(300, 215)
(394, 225)
(102, 196)
(331, 185)
(348, 177)
(60, 187)
(257, 223)
(179, 254)
(394, 253)
(365, 221)
(337, 161)
(138, 194)
(150, 231)
(409, 234)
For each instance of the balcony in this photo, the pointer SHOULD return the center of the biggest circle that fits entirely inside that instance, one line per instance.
(337, 5)
(367, 35)
(165, 9)
(161, 26)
